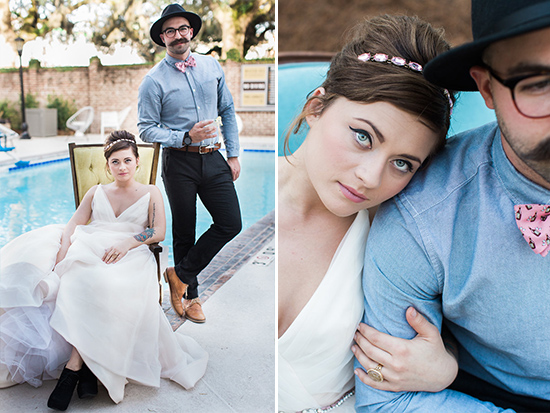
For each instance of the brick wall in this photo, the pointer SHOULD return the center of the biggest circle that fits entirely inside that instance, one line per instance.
(108, 88)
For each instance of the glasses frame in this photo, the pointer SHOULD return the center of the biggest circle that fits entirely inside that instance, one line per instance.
(178, 30)
(511, 84)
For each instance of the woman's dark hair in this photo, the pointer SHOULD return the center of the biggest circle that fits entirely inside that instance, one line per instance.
(367, 82)
(118, 140)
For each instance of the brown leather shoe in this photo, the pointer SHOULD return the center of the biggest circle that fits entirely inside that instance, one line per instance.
(193, 310)
(177, 290)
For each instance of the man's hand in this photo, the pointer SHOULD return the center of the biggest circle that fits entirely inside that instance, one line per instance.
(205, 129)
(235, 167)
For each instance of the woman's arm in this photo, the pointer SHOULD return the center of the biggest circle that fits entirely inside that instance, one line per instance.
(153, 233)
(80, 217)
(425, 363)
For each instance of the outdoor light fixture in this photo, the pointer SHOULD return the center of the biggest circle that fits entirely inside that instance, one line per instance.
(19, 42)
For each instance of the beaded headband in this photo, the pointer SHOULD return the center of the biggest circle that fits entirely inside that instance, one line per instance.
(400, 62)
(117, 141)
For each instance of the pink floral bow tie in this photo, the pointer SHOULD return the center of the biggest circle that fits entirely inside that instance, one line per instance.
(533, 221)
(183, 65)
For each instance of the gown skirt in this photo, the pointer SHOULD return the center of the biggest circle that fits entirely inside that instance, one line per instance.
(108, 312)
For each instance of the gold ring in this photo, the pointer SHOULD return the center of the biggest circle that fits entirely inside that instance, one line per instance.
(376, 373)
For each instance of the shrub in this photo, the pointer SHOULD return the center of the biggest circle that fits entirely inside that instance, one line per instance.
(30, 101)
(11, 111)
(234, 54)
(65, 109)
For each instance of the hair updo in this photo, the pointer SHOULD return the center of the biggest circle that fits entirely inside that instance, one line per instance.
(368, 82)
(118, 140)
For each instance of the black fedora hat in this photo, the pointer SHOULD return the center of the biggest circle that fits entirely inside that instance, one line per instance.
(174, 10)
(492, 20)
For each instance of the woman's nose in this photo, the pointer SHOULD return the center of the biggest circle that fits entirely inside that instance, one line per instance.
(371, 174)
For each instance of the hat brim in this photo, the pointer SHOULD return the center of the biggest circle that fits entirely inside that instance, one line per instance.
(451, 69)
(156, 29)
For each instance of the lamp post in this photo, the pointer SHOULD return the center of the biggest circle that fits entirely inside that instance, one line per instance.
(19, 43)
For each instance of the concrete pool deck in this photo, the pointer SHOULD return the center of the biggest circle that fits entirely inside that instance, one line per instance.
(238, 291)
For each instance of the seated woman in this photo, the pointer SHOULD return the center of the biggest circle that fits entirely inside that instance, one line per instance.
(86, 294)
(372, 124)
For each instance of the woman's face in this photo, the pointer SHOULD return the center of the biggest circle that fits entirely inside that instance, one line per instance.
(359, 155)
(122, 164)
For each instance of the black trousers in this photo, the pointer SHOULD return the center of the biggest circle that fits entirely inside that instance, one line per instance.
(482, 390)
(186, 175)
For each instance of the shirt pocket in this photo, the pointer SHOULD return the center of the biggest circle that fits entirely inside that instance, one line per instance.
(209, 91)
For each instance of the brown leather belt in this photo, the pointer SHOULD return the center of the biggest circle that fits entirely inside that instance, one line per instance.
(199, 149)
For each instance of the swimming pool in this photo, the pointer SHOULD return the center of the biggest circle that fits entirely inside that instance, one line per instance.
(33, 197)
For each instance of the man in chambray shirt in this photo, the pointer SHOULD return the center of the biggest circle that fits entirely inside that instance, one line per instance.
(180, 100)
(466, 243)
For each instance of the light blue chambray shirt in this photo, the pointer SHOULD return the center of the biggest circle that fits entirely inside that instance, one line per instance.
(171, 102)
(449, 246)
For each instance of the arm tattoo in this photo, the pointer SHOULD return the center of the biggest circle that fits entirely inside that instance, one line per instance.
(149, 232)
(145, 235)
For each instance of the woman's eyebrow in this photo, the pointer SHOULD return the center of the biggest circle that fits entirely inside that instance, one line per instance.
(381, 138)
(377, 132)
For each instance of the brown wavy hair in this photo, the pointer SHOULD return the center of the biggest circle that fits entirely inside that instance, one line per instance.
(367, 82)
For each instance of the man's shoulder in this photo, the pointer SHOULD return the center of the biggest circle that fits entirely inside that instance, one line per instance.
(206, 58)
(157, 71)
(458, 163)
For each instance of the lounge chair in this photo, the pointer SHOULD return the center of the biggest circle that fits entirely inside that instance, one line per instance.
(113, 119)
(81, 121)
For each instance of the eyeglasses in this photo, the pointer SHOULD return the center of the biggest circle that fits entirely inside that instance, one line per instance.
(171, 32)
(530, 93)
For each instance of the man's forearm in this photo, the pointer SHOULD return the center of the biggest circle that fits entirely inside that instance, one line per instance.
(446, 401)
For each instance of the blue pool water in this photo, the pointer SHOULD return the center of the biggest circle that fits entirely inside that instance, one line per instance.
(33, 197)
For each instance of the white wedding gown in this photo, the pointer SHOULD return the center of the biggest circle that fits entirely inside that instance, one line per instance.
(108, 312)
(315, 358)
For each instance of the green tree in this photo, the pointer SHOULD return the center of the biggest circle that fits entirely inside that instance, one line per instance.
(228, 24)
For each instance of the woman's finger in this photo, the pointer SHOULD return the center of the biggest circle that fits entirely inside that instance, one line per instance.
(379, 385)
(377, 345)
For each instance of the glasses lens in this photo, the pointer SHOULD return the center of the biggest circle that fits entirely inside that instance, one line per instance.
(533, 96)
(170, 32)
(183, 30)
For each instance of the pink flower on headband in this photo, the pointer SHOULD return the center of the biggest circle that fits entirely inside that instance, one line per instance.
(400, 62)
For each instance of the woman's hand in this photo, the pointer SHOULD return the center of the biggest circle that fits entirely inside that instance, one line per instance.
(61, 254)
(420, 364)
(115, 253)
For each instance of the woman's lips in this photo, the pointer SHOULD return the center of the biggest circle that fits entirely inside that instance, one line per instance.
(352, 194)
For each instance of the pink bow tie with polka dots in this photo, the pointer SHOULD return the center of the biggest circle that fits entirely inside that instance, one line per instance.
(533, 221)
(187, 63)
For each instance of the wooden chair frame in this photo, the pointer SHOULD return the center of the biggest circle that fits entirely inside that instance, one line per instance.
(155, 248)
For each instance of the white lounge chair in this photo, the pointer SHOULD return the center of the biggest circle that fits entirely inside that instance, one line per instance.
(81, 121)
(113, 119)
(8, 134)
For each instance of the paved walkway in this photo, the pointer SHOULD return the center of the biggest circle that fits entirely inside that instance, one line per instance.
(238, 290)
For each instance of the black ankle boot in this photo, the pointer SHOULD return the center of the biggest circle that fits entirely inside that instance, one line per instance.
(87, 384)
(61, 395)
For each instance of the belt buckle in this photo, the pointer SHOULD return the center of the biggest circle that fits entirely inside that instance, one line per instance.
(203, 149)
(206, 148)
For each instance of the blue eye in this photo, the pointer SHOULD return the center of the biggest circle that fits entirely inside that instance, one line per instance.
(403, 166)
(362, 137)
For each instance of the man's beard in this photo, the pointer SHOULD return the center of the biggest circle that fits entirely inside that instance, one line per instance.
(541, 153)
(538, 158)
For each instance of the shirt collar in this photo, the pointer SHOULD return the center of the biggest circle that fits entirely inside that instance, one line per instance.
(520, 189)
(172, 60)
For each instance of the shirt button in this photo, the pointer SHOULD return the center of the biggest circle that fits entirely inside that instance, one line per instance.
(198, 107)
